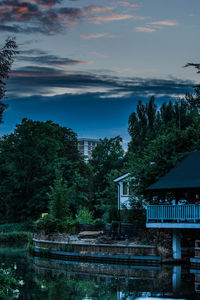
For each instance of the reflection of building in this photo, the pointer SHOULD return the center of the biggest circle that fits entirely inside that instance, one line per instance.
(86, 146)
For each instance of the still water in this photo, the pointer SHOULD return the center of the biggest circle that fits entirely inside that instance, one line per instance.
(59, 280)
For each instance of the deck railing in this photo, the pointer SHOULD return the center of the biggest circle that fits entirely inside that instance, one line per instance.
(170, 213)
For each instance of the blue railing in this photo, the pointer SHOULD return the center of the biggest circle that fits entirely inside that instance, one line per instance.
(169, 213)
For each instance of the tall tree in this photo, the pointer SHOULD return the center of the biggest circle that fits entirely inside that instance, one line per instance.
(162, 154)
(29, 157)
(7, 53)
(106, 162)
(194, 99)
(149, 121)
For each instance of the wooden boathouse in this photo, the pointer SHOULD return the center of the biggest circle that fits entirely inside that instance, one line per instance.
(178, 200)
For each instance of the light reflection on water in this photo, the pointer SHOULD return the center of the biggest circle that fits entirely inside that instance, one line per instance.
(61, 280)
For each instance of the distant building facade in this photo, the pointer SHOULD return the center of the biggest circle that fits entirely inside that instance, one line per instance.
(86, 146)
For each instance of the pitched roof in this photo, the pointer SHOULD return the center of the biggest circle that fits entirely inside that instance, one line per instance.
(186, 175)
(121, 177)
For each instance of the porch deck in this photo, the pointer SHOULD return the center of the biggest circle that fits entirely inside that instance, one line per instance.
(173, 216)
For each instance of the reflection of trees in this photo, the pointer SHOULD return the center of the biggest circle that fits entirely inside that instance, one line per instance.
(62, 288)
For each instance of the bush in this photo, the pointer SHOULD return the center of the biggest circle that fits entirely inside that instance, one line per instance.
(84, 216)
(8, 284)
(99, 222)
(49, 224)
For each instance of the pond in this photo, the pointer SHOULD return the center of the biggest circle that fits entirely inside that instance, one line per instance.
(61, 280)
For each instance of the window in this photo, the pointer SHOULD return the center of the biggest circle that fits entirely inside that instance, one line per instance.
(125, 188)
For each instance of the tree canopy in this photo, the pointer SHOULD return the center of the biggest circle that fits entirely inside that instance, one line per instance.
(7, 53)
(29, 157)
(161, 137)
(106, 163)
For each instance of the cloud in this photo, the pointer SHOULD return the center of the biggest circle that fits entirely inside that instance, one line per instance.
(32, 52)
(145, 29)
(53, 16)
(99, 9)
(115, 17)
(92, 35)
(49, 59)
(42, 16)
(154, 26)
(98, 35)
(33, 80)
(129, 4)
(164, 23)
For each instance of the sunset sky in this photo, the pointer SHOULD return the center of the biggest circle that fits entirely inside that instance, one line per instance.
(85, 64)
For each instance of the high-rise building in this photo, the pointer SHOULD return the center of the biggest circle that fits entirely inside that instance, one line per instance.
(86, 146)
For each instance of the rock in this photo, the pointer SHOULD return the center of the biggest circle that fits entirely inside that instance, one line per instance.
(89, 234)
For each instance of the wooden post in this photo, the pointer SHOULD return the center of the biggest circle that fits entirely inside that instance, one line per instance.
(176, 244)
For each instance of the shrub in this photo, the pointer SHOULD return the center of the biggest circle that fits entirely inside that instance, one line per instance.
(99, 222)
(8, 284)
(49, 224)
(84, 216)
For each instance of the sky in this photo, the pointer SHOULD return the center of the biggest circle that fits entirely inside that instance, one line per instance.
(85, 64)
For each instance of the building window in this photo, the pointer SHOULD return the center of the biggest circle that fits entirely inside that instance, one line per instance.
(125, 188)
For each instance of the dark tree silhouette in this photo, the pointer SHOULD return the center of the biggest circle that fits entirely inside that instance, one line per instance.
(7, 53)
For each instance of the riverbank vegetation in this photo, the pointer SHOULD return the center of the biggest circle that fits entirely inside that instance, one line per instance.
(8, 284)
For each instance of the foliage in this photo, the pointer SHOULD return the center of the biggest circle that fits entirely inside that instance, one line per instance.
(29, 157)
(159, 141)
(60, 197)
(161, 155)
(49, 224)
(8, 284)
(15, 236)
(10, 227)
(106, 163)
(107, 202)
(149, 121)
(84, 216)
(7, 53)
(59, 217)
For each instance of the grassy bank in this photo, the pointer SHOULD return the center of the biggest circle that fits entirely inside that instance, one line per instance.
(15, 232)
(15, 236)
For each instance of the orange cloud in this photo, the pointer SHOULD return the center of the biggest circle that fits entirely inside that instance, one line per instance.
(97, 35)
(164, 23)
(99, 9)
(145, 29)
(92, 35)
(115, 17)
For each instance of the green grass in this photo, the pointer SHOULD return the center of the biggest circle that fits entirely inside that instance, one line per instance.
(15, 236)
(12, 227)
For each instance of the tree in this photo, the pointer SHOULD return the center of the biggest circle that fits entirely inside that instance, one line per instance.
(161, 155)
(106, 163)
(60, 196)
(28, 160)
(194, 99)
(7, 53)
(176, 132)
(149, 121)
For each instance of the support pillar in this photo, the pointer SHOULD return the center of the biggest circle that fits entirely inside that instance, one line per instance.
(176, 244)
(176, 280)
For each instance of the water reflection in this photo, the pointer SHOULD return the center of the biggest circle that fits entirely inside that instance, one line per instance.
(60, 280)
